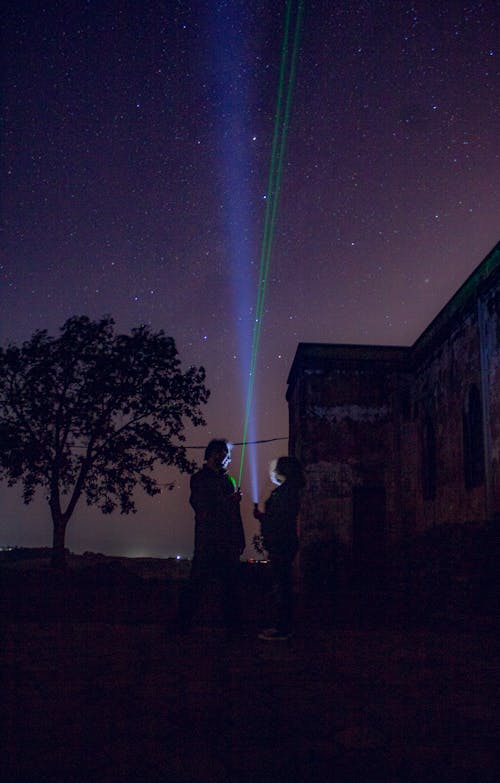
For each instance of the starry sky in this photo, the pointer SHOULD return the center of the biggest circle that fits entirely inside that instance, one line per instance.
(135, 151)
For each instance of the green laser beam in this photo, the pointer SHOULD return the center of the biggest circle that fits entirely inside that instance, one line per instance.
(281, 123)
(276, 168)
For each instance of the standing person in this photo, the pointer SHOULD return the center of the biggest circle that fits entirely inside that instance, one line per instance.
(279, 532)
(219, 539)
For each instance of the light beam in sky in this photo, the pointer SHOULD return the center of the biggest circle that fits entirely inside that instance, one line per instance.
(235, 163)
(282, 117)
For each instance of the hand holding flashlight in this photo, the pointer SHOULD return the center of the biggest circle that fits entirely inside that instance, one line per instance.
(237, 495)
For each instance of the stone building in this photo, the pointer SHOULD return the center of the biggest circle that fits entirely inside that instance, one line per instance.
(396, 440)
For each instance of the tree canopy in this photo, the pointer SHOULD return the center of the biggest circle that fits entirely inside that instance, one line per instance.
(91, 412)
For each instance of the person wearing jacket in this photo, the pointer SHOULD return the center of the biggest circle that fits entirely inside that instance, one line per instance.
(279, 532)
(219, 539)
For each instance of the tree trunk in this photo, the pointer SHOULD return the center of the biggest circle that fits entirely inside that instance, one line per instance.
(58, 559)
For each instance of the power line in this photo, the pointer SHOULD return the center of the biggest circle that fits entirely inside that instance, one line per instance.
(243, 443)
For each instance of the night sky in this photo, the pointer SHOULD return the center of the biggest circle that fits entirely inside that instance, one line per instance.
(136, 143)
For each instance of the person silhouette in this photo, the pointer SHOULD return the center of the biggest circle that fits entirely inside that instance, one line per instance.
(219, 538)
(279, 532)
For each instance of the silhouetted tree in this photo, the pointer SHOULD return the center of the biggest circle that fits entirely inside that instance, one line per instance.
(90, 413)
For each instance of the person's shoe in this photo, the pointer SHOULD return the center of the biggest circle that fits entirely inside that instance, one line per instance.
(273, 635)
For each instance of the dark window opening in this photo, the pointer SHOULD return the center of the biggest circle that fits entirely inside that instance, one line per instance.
(429, 460)
(473, 439)
(406, 404)
(369, 534)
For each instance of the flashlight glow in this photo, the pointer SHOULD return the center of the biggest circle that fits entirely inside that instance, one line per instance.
(236, 159)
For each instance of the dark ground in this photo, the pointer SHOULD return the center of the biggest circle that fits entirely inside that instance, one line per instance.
(352, 697)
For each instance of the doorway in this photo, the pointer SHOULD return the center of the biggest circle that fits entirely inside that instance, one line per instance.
(369, 532)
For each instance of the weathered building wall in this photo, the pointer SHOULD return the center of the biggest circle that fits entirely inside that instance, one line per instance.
(413, 431)
(490, 303)
(442, 381)
(346, 430)
(458, 357)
